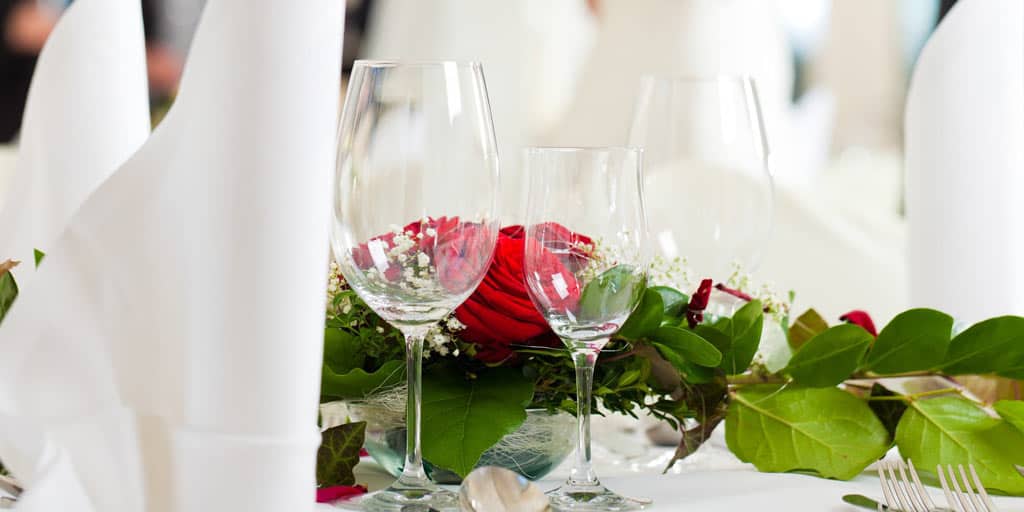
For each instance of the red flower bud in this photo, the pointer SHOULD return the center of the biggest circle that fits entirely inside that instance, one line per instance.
(861, 318)
(698, 303)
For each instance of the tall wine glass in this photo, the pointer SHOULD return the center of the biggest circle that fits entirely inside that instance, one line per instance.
(586, 267)
(415, 216)
(706, 170)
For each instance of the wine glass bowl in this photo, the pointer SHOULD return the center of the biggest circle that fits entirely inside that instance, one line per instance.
(709, 187)
(414, 217)
(585, 263)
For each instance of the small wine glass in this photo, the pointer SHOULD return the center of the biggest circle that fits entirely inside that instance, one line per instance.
(710, 193)
(415, 222)
(586, 263)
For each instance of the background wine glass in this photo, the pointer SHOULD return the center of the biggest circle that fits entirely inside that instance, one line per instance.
(415, 215)
(710, 194)
(586, 266)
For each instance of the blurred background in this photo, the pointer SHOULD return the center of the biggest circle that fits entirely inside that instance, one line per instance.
(831, 76)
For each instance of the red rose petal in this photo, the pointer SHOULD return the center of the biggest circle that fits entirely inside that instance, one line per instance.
(329, 494)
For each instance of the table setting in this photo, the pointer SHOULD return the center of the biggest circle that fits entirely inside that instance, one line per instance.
(282, 299)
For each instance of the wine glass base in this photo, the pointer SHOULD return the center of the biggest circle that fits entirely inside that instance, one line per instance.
(401, 499)
(592, 499)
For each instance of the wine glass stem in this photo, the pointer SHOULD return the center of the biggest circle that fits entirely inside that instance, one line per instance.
(584, 359)
(413, 475)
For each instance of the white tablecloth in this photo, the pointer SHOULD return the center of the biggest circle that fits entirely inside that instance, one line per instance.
(712, 480)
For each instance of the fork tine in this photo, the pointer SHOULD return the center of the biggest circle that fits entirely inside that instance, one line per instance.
(921, 492)
(900, 490)
(989, 506)
(887, 489)
(908, 488)
(964, 503)
(945, 488)
(975, 501)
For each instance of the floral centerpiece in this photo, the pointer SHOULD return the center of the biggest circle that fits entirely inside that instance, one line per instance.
(693, 359)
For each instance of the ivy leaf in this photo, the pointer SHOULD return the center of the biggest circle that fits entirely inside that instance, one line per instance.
(824, 430)
(686, 344)
(995, 345)
(830, 357)
(954, 430)
(463, 418)
(673, 301)
(339, 454)
(342, 351)
(888, 412)
(645, 318)
(8, 288)
(357, 383)
(613, 293)
(806, 326)
(745, 330)
(915, 340)
(1012, 411)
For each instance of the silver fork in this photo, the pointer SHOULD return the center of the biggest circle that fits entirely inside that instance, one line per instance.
(966, 499)
(902, 492)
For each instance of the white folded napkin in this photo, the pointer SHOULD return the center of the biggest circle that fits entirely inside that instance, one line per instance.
(87, 112)
(168, 357)
(964, 159)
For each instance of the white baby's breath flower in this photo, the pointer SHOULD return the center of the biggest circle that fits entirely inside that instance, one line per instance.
(380, 330)
(422, 259)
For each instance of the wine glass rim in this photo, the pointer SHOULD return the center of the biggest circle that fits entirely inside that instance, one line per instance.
(388, 63)
(697, 77)
(585, 149)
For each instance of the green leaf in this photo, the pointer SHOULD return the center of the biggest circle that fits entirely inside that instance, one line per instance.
(342, 351)
(745, 330)
(673, 301)
(830, 357)
(915, 340)
(645, 318)
(38, 256)
(823, 430)
(357, 383)
(8, 292)
(612, 294)
(339, 454)
(688, 345)
(1012, 411)
(995, 345)
(463, 418)
(954, 430)
(806, 326)
(888, 412)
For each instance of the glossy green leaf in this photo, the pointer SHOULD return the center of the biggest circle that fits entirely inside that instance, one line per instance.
(339, 454)
(646, 318)
(688, 344)
(613, 293)
(673, 301)
(38, 256)
(995, 345)
(823, 430)
(463, 418)
(8, 292)
(830, 357)
(915, 340)
(342, 351)
(357, 383)
(954, 430)
(1012, 411)
(806, 326)
(745, 330)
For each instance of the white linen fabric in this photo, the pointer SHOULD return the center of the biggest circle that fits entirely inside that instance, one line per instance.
(964, 126)
(87, 112)
(168, 355)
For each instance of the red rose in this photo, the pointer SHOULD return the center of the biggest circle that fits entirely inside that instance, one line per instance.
(500, 313)
(861, 318)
